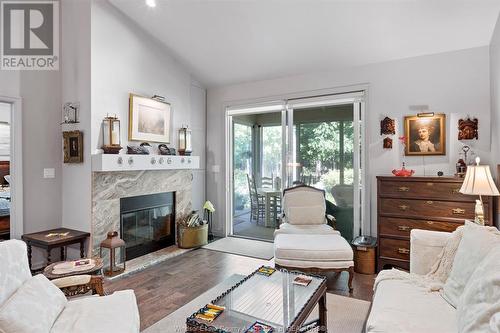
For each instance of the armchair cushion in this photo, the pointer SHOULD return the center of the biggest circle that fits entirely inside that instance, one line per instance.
(306, 215)
(114, 313)
(14, 268)
(33, 308)
(320, 229)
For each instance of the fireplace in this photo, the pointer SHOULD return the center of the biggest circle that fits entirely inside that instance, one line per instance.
(147, 223)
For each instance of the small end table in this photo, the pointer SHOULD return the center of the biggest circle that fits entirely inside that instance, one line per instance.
(55, 238)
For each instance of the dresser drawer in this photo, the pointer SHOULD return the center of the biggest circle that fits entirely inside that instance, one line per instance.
(400, 227)
(434, 190)
(429, 209)
(394, 248)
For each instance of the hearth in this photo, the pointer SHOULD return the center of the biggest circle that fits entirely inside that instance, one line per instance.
(147, 223)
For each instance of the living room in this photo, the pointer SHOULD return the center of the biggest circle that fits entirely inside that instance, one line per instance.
(249, 166)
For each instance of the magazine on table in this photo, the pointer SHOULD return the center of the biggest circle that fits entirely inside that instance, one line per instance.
(302, 280)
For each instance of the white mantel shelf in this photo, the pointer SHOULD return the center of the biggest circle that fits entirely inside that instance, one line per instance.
(123, 162)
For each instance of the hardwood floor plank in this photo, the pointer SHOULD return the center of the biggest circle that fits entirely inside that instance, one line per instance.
(167, 286)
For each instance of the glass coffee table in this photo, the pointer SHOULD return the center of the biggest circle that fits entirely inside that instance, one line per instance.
(272, 300)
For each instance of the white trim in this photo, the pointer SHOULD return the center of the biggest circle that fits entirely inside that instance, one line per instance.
(16, 166)
(347, 98)
(228, 228)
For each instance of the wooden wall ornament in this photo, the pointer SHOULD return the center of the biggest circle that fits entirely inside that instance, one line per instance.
(387, 143)
(387, 126)
(468, 129)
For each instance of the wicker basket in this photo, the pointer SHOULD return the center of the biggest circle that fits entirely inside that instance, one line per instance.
(193, 237)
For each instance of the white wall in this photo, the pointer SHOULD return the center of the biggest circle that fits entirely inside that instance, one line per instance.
(75, 68)
(455, 83)
(495, 100)
(126, 60)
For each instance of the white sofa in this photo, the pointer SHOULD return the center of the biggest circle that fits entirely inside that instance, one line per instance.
(35, 305)
(399, 306)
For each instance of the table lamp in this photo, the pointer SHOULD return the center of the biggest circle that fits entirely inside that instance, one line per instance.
(478, 181)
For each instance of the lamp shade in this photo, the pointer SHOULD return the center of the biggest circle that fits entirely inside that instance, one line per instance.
(478, 181)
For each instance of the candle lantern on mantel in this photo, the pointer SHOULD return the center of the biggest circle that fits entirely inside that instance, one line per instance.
(111, 135)
(116, 248)
(185, 147)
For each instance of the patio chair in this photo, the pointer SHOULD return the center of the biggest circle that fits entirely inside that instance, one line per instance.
(306, 239)
(257, 205)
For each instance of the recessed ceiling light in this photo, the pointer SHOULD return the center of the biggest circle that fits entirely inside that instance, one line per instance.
(151, 3)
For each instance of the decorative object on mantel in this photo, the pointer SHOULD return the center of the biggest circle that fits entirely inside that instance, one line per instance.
(137, 150)
(70, 113)
(387, 143)
(185, 141)
(164, 150)
(149, 119)
(208, 210)
(116, 260)
(478, 181)
(193, 232)
(440, 173)
(425, 134)
(387, 126)
(403, 172)
(111, 135)
(461, 168)
(73, 146)
(147, 146)
(468, 129)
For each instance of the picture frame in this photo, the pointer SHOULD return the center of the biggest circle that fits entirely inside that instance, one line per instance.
(149, 119)
(73, 146)
(425, 135)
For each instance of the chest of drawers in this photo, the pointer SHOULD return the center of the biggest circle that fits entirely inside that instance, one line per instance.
(429, 203)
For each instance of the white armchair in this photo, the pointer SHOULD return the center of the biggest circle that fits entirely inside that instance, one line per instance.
(306, 240)
(36, 305)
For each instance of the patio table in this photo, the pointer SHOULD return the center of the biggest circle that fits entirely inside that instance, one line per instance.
(270, 213)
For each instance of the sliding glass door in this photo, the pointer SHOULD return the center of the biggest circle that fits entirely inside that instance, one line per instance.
(311, 141)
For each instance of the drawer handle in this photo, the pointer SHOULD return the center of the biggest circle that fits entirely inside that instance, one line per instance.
(403, 189)
(403, 207)
(403, 250)
(429, 222)
(403, 228)
(429, 202)
(430, 184)
(455, 191)
(458, 211)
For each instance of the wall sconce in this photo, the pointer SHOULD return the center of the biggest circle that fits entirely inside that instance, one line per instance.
(116, 247)
(111, 135)
(185, 147)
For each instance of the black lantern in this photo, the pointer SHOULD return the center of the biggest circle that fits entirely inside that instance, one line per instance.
(185, 147)
(111, 135)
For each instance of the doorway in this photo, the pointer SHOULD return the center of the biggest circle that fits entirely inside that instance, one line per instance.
(311, 141)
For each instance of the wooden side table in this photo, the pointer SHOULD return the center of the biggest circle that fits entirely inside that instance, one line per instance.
(55, 238)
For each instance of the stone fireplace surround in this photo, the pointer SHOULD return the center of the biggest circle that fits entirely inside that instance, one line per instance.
(109, 187)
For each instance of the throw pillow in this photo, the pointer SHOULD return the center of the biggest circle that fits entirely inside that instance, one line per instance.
(480, 300)
(306, 215)
(476, 242)
(33, 308)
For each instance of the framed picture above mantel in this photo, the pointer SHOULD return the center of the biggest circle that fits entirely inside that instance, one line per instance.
(425, 135)
(149, 119)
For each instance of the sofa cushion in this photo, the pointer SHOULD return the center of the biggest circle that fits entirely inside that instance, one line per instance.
(33, 308)
(400, 306)
(321, 229)
(14, 270)
(114, 313)
(476, 242)
(480, 299)
(331, 247)
(306, 215)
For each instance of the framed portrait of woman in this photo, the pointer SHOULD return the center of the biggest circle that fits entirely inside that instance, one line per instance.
(425, 135)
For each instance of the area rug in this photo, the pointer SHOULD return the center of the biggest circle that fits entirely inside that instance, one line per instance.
(346, 315)
(243, 247)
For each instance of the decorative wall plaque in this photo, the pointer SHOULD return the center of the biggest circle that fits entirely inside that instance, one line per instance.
(387, 126)
(468, 129)
(387, 143)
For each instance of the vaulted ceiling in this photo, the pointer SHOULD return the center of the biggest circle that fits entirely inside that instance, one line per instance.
(224, 42)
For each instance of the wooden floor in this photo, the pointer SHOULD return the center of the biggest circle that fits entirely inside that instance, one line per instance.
(165, 287)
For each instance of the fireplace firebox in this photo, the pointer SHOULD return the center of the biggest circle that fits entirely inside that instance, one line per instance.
(147, 223)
